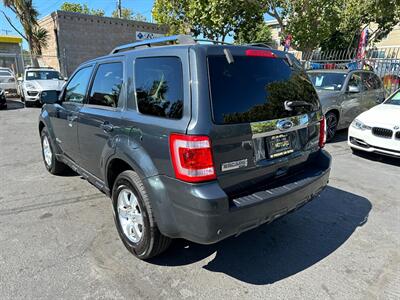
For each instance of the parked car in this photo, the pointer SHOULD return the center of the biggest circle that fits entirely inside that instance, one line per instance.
(378, 129)
(3, 100)
(344, 94)
(8, 83)
(38, 80)
(190, 141)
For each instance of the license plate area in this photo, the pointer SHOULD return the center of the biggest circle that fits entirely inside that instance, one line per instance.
(279, 145)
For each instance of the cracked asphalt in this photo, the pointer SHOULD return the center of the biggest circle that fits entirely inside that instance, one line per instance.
(58, 239)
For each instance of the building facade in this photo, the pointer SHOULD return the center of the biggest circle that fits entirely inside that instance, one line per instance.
(75, 38)
(10, 53)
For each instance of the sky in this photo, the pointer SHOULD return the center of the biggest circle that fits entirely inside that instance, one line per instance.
(46, 7)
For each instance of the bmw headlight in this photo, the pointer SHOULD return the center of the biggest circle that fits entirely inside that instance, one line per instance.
(360, 125)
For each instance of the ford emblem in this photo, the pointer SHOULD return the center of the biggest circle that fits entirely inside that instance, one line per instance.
(284, 125)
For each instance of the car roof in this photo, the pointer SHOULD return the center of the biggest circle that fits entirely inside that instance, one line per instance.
(40, 69)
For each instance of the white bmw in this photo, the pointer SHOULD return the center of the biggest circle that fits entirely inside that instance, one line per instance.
(378, 129)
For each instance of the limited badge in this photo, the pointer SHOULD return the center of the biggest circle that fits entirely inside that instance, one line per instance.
(232, 165)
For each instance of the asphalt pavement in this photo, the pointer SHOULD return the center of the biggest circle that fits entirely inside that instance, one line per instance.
(58, 239)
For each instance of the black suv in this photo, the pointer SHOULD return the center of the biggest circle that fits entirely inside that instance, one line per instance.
(194, 141)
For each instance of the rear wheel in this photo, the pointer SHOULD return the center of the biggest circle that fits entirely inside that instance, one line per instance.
(134, 217)
(331, 125)
(49, 158)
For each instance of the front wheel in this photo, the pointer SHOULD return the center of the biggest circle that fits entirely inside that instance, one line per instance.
(331, 125)
(134, 217)
(51, 163)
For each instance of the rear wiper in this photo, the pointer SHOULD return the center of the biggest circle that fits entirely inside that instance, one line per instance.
(290, 104)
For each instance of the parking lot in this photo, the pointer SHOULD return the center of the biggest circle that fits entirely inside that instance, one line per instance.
(58, 239)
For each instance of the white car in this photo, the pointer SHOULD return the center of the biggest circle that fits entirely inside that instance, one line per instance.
(378, 129)
(38, 80)
(7, 81)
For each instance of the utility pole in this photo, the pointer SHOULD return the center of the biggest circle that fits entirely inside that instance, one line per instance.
(119, 8)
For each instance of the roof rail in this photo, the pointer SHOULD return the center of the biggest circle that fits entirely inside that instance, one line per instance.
(212, 41)
(180, 39)
(259, 45)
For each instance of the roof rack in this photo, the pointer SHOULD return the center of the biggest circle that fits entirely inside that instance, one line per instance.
(259, 45)
(176, 39)
(212, 41)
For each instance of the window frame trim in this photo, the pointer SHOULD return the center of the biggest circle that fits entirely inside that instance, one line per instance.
(121, 106)
(64, 90)
(136, 109)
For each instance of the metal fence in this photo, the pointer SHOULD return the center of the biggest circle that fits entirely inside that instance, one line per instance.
(385, 62)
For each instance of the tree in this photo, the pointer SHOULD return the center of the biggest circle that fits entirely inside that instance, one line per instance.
(27, 15)
(81, 8)
(261, 33)
(212, 19)
(128, 14)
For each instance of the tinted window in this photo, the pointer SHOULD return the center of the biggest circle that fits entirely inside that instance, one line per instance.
(5, 73)
(76, 88)
(371, 81)
(107, 85)
(327, 81)
(255, 89)
(159, 86)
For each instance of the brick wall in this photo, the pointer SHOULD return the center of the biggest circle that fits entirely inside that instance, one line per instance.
(83, 37)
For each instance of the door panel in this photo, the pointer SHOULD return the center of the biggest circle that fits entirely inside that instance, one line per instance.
(100, 118)
(352, 102)
(65, 115)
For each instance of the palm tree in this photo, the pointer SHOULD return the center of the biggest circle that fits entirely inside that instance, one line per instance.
(35, 35)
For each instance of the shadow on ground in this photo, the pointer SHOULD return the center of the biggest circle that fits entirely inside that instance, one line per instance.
(14, 104)
(340, 136)
(281, 249)
(394, 161)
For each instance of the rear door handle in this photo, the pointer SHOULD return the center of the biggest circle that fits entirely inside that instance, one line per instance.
(107, 127)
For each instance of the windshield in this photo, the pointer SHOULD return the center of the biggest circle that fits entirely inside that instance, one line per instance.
(395, 99)
(255, 89)
(327, 81)
(42, 75)
(5, 73)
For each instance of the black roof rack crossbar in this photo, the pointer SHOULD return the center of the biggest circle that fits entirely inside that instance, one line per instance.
(259, 45)
(212, 41)
(177, 39)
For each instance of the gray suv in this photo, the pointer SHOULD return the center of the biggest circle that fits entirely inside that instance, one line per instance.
(344, 94)
(189, 140)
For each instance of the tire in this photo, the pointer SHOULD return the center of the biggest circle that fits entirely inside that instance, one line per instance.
(140, 235)
(331, 125)
(51, 163)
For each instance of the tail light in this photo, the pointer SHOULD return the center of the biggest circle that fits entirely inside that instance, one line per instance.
(192, 157)
(322, 132)
(260, 53)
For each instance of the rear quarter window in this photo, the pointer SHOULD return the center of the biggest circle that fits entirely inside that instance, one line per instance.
(159, 86)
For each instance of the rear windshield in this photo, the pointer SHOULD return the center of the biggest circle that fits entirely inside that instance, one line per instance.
(255, 89)
(5, 73)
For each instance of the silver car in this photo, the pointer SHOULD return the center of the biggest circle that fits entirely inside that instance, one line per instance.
(344, 94)
(7, 81)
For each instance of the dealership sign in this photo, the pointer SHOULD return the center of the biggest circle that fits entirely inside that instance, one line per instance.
(143, 35)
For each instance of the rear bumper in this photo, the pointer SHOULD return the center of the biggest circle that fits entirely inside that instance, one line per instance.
(203, 213)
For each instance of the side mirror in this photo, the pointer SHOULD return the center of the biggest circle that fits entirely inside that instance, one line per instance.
(49, 97)
(353, 89)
